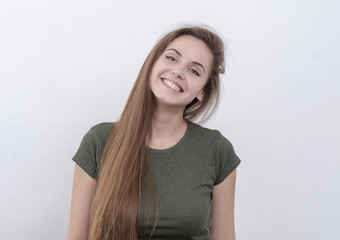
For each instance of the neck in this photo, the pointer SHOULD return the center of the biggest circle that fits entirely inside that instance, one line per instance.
(167, 127)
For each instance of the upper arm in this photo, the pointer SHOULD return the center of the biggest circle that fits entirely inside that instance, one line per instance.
(82, 195)
(222, 215)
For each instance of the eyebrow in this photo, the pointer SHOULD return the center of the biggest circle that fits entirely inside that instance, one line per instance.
(179, 54)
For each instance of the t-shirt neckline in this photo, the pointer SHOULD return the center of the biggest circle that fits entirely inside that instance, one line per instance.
(177, 145)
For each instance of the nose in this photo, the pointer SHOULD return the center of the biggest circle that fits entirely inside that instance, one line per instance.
(177, 72)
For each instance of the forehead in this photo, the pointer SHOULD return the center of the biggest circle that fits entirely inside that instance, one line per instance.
(192, 49)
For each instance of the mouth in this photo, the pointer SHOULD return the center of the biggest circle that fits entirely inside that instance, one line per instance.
(172, 85)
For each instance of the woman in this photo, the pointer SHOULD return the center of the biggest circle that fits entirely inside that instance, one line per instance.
(155, 173)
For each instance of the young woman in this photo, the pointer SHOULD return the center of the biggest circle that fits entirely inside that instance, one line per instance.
(155, 174)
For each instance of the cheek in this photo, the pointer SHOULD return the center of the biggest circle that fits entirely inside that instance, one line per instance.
(202, 85)
(154, 70)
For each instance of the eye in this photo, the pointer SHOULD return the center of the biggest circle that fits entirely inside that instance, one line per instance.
(170, 58)
(194, 72)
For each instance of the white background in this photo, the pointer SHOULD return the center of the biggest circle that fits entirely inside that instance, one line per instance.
(68, 65)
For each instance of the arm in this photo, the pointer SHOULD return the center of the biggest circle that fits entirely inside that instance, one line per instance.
(82, 195)
(222, 215)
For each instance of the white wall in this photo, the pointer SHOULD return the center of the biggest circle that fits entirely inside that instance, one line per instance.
(67, 65)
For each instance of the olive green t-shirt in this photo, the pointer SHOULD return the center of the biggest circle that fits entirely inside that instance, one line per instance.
(185, 175)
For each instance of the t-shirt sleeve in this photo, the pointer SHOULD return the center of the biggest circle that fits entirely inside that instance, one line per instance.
(227, 160)
(88, 153)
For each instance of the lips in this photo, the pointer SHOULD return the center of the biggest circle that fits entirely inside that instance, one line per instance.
(171, 84)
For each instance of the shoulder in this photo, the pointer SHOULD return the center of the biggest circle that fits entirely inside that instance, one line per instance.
(89, 153)
(101, 132)
(209, 135)
(211, 143)
(102, 128)
(198, 129)
(95, 139)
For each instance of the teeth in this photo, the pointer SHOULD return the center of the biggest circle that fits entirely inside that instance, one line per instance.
(171, 85)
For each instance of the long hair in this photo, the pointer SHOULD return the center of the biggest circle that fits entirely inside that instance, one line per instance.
(125, 167)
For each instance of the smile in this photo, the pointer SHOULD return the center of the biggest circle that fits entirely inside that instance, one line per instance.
(172, 85)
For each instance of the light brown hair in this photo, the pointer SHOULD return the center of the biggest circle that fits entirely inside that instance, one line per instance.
(125, 168)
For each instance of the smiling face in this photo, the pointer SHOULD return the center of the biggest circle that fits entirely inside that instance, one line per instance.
(180, 73)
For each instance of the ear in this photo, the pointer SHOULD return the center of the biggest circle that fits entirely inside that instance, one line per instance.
(200, 95)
